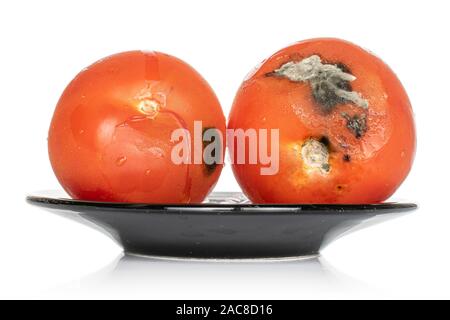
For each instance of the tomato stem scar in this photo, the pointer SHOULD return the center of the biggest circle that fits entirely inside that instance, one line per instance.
(149, 107)
(330, 83)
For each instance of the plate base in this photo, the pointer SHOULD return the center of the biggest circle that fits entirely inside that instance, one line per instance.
(226, 227)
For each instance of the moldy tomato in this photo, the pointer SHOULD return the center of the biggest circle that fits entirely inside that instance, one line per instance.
(110, 137)
(346, 126)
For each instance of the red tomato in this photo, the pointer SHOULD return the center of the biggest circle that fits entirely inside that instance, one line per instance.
(346, 126)
(110, 137)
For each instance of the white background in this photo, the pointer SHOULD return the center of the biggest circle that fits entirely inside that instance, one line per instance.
(43, 44)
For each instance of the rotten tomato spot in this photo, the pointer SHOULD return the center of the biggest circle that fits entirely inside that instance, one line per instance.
(210, 166)
(357, 124)
(315, 156)
(330, 83)
(325, 141)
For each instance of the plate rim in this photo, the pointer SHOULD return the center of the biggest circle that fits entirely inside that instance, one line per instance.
(224, 208)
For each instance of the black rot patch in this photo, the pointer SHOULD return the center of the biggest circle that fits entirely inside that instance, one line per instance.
(211, 167)
(357, 124)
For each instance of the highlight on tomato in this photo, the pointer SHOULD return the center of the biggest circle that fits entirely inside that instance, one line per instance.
(346, 129)
(111, 139)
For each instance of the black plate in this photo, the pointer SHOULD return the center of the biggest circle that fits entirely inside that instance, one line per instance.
(225, 226)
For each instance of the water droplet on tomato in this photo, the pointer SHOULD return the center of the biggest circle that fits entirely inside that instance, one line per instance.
(121, 161)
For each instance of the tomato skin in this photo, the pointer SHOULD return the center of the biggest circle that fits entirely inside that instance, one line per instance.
(363, 169)
(109, 138)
